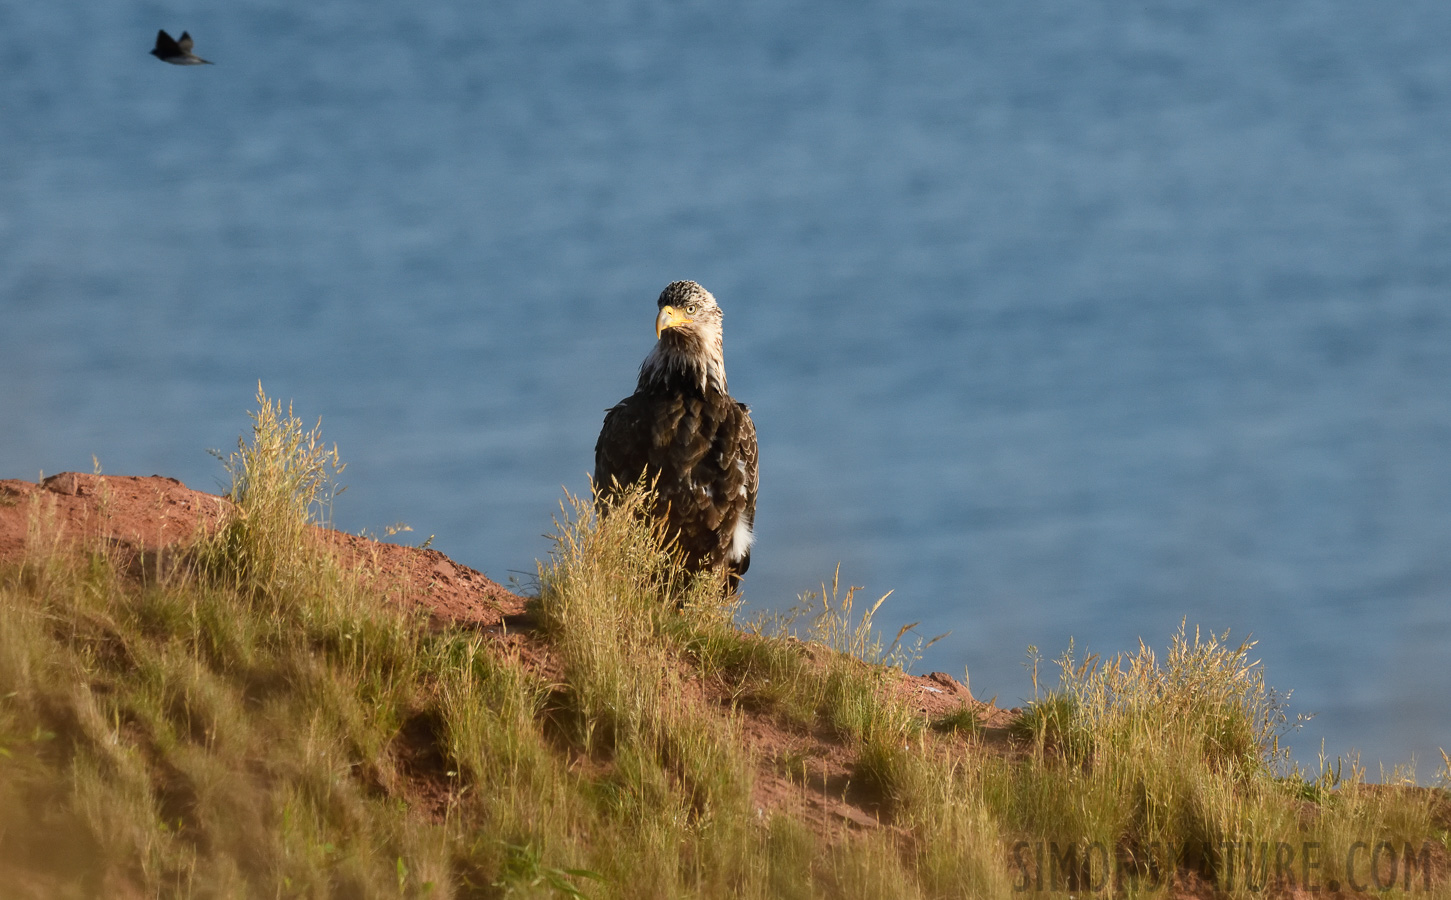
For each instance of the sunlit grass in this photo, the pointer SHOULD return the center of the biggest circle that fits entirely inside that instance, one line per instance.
(255, 719)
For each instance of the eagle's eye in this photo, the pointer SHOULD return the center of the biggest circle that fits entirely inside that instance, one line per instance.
(690, 308)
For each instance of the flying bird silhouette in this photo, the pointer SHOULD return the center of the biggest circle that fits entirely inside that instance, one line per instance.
(177, 52)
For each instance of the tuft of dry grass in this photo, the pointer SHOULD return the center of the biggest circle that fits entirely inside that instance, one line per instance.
(283, 481)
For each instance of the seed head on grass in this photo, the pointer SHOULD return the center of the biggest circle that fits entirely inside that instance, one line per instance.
(1207, 698)
(282, 482)
(829, 617)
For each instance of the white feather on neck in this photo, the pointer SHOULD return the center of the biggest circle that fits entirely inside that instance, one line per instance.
(674, 358)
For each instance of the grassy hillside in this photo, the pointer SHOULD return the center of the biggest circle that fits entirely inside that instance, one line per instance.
(254, 718)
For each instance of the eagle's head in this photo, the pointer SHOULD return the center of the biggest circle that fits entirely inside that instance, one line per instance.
(689, 346)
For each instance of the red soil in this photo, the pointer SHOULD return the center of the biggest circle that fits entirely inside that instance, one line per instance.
(149, 517)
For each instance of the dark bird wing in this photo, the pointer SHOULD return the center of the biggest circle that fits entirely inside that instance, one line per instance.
(165, 46)
(185, 42)
(702, 456)
(622, 451)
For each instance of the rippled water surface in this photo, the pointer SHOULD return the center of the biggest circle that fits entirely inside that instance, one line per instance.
(1060, 320)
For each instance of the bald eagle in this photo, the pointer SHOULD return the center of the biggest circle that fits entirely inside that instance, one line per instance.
(683, 429)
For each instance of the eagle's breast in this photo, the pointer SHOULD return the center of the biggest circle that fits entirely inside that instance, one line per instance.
(694, 448)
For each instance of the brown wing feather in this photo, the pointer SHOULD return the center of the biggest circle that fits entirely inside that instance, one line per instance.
(701, 450)
(747, 442)
(622, 451)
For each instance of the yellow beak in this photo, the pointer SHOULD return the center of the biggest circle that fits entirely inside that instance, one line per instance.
(669, 317)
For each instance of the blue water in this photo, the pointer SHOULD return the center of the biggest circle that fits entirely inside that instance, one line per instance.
(1061, 320)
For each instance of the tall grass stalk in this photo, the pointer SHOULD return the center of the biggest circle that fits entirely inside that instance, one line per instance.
(283, 481)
